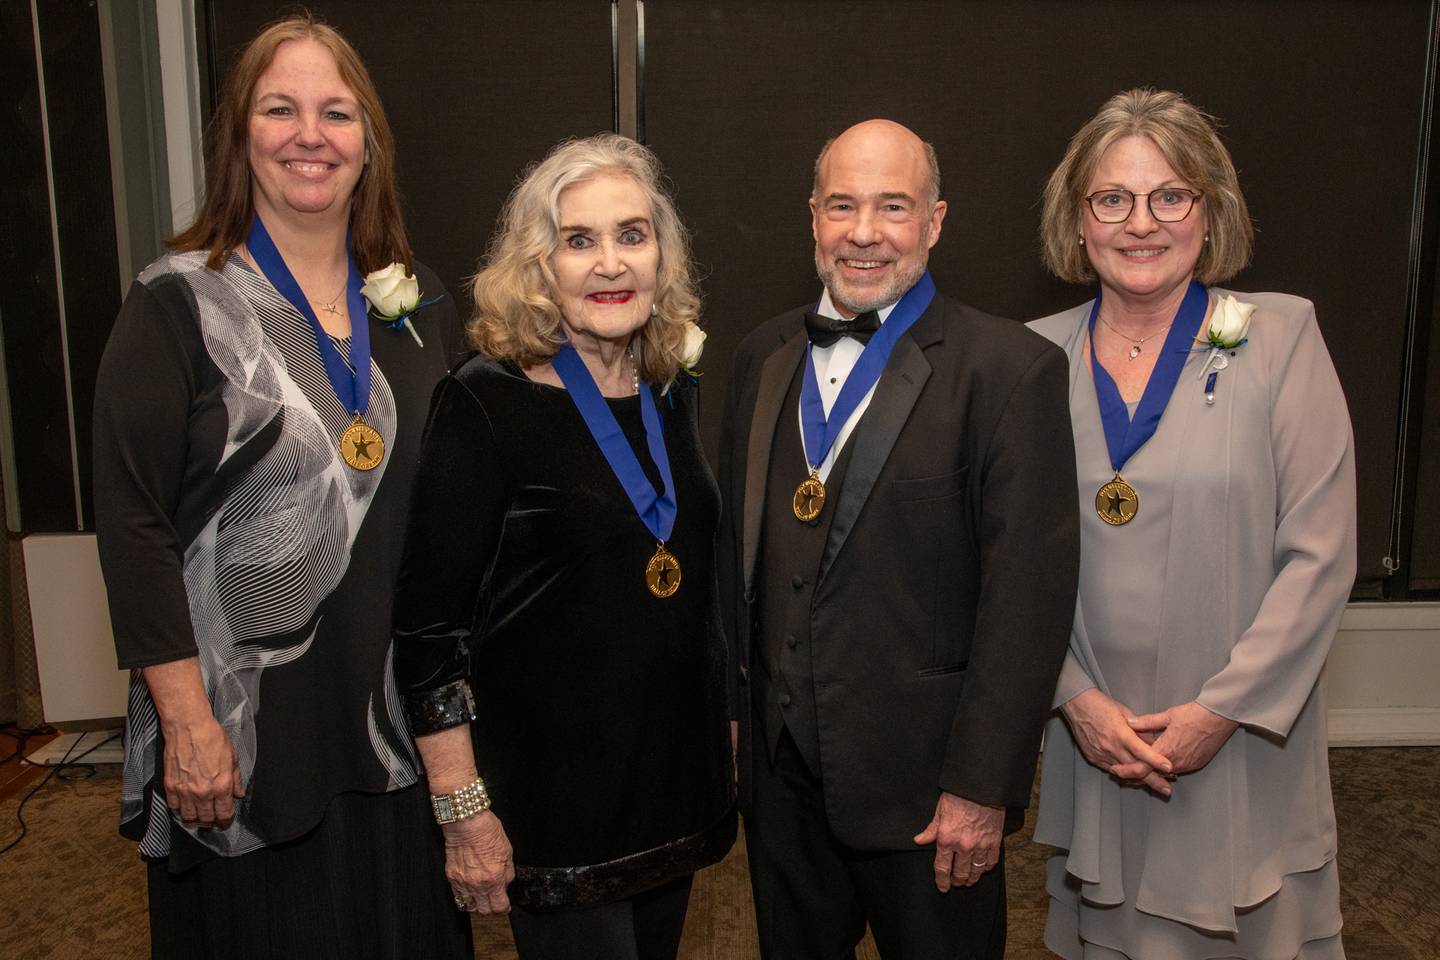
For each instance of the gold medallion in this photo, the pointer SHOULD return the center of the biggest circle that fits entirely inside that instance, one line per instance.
(809, 498)
(361, 446)
(662, 573)
(1117, 502)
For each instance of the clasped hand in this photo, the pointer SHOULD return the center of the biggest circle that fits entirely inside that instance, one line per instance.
(1148, 750)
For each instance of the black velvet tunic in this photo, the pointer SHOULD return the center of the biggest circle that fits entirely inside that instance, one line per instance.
(601, 732)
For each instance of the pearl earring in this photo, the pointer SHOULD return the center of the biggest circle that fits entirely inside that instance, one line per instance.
(1082, 241)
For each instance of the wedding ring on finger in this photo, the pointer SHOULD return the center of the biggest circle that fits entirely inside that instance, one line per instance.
(463, 901)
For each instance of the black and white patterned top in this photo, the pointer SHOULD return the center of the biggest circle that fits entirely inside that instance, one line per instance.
(230, 529)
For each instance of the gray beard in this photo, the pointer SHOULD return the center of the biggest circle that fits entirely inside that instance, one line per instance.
(887, 295)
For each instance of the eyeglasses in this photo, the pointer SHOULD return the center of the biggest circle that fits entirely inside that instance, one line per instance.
(1167, 204)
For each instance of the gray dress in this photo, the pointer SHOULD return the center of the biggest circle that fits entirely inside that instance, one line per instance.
(1226, 588)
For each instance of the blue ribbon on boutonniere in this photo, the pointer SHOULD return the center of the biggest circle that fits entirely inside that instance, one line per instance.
(403, 321)
(389, 289)
(684, 373)
(1227, 332)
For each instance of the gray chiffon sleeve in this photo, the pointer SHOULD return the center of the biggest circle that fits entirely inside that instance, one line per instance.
(1276, 663)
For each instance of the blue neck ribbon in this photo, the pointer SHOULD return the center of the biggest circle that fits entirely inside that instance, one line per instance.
(1124, 436)
(818, 432)
(656, 508)
(352, 383)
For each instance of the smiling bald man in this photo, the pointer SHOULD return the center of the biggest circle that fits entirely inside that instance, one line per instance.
(898, 566)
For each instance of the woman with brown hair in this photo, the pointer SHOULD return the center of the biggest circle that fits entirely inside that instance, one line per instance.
(1185, 780)
(255, 438)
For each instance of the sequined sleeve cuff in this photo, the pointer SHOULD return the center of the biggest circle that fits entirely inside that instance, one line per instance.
(439, 709)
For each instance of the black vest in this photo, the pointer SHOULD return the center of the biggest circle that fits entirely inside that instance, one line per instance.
(788, 565)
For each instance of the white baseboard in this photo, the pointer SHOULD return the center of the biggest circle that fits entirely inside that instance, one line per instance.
(1385, 727)
(1382, 676)
(90, 746)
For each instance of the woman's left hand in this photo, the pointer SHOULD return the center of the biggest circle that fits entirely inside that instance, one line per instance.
(479, 863)
(1188, 734)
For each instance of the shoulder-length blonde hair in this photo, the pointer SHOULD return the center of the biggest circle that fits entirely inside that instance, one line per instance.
(376, 229)
(1187, 138)
(517, 316)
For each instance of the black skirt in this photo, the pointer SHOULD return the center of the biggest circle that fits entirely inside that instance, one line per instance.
(369, 881)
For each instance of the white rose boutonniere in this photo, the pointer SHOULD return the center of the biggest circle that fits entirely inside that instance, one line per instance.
(1229, 322)
(391, 291)
(693, 348)
(394, 295)
(690, 351)
(1227, 331)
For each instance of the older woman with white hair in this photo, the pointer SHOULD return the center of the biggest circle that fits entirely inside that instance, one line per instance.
(556, 624)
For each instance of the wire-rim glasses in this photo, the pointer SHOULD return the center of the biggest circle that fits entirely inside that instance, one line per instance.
(1167, 204)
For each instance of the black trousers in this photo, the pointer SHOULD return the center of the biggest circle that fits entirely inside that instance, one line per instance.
(814, 895)
(645, 927)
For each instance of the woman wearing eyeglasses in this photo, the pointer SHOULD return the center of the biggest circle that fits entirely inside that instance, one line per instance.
(1185, 777)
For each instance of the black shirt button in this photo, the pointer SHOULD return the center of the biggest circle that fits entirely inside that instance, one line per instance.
(784, 699)
(797, 582)
(790, 641)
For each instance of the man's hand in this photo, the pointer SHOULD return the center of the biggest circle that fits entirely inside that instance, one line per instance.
(479, 863)
(1103, 728)
(967, 840)
(1189, 734)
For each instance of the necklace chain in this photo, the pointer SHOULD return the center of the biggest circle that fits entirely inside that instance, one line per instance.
(1134, 342)
(329, 306)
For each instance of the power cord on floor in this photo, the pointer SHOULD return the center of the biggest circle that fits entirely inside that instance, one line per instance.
(16, 734)
(21, 736)
(65, 764)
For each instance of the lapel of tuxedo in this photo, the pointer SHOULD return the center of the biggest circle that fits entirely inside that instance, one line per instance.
(874, 437)
(775, 377)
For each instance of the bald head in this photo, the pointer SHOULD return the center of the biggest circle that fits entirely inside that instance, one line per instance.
(875, 213)
(879, 141)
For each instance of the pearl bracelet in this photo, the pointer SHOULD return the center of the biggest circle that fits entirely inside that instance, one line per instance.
(469, 801)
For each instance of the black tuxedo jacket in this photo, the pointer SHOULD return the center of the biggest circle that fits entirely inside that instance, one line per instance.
(945, 593)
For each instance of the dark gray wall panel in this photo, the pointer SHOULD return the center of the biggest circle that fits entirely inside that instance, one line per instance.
(85, 214)
(1321, 103)
(1424, 562)
(30, 302)
(474, 92)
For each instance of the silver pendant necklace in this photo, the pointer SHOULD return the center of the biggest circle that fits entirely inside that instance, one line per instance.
(332, 306)
(1134, 343)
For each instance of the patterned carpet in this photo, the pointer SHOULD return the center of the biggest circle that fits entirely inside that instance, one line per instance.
(73, 889)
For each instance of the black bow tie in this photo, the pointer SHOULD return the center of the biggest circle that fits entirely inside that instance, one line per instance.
(824, 331)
